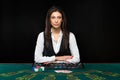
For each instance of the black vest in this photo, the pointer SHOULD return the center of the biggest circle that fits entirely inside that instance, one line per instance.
(49, 51)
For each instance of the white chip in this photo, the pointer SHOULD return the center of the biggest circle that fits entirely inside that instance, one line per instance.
(43, 68)
(35, 69)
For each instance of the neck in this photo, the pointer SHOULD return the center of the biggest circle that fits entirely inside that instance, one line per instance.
(55, 30)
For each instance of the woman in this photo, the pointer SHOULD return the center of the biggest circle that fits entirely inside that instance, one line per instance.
(56, 44)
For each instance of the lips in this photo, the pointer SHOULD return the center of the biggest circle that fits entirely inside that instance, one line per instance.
(56, 24)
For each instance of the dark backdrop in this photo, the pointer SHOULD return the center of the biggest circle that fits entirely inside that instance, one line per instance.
(94, 22)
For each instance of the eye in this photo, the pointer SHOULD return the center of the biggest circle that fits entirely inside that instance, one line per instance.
(52, 17)
(59, 17)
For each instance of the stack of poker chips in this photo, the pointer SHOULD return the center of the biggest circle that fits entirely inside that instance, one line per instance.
(38, 68)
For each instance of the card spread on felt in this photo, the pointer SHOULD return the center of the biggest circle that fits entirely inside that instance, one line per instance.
(63, 71)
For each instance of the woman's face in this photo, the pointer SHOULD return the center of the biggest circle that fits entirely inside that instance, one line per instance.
(56, 19)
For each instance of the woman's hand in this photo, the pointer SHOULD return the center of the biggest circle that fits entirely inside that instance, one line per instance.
(63, 58)
(46, 63)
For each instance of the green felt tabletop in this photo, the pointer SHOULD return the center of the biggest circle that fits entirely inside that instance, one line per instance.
(92, 71)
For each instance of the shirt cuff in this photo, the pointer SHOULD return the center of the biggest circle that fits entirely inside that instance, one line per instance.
(52, 59)
(73, 61)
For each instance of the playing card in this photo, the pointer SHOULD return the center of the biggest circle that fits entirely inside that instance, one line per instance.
(63, 71)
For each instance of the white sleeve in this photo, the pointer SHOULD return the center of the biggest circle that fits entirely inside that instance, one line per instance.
(74, 49)
(38, 55)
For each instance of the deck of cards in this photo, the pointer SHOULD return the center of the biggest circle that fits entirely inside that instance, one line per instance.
(63, 71)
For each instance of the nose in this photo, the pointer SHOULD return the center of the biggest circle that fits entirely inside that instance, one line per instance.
(56, 20)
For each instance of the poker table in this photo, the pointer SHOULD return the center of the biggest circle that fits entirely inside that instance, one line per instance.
(92, 71)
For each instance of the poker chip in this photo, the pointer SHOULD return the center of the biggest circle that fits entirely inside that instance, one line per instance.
(38, 68)
(43, 68)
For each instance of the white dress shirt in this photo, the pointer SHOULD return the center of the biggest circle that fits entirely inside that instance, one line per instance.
(39, 58)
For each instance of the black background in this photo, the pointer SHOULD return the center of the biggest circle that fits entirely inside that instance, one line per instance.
(94, 22)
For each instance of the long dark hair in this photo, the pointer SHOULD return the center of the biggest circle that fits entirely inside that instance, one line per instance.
(63, 26)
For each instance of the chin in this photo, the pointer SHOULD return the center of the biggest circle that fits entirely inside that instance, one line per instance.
(56, 27)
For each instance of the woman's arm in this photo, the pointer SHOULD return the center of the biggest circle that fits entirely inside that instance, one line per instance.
(74, 49)
(63, 58)
(38, 56)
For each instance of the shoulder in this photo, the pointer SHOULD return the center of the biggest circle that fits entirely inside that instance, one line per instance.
(40, 38)
(71, 34)
(40, 34)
